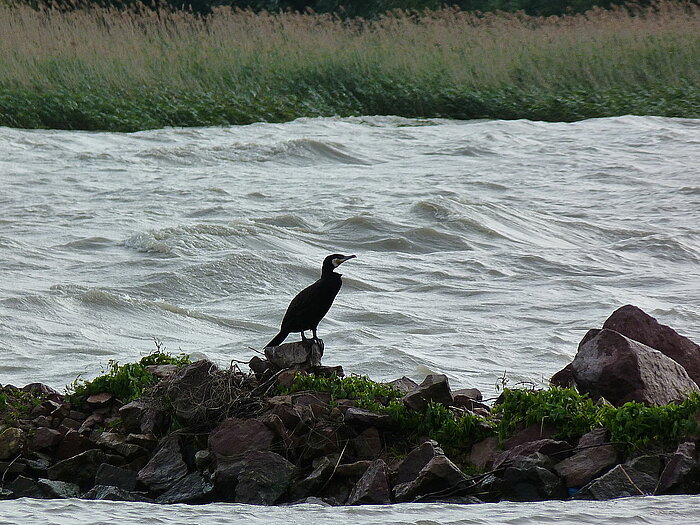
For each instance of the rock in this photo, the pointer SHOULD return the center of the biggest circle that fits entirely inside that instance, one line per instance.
(259, 366)
(435, 388)
(24, 487)
(416, 460)
(471, 393)
(131, 415)
(189, 391)
(367, 418)
(55, 489)
(112, 476)
(202, 459)
(583, 466)
(622, 481)
(634, 323)
(372, 487)
(528, 434)
(90, 422)
(368, 445)
(44, 438)
(612, 366)
(548, 447)
(72, 444)
(41, 388)
(165, 467)
(484, 452)
(301, 355)
(100, 399)
(264, 479)
(403, 384)
(106, 492)
(439, 475)
(193, 488)
(352, 470)
(316, 480)
(234, 437)
(531, 483)
(319, 402)
(675, 476)
(80, 469)
(327, 371)
(11, 442)
(162, 371)
(225, 477)
(118, 443)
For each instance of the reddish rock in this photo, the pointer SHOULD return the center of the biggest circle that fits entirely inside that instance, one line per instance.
(612, 366)
(367, 418)
(100, 399)
(236, 436)
(439, 475)
(162, 371)
(372, 487)
(45, 438)
(416, 460)
(484, 452)
(529, 434)
(72, 444)
(469, 393)
(368, 445)
(548, 447)
(300, 355)
(586, 464)
(403, 384)
(90, 422)
(435, 388)
(634, 323)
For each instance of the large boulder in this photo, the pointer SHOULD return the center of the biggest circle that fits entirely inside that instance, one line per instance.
(193, 488)
(416, 460)
(80, 469)
(620, 482)
(12, 440)
(680, 476)
(528, 479)
(373, 486)
(592, 457)
(634, 323)
(615, 367)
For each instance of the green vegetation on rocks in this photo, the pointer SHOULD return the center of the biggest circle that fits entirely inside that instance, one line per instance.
(109, 69)
(126, 382)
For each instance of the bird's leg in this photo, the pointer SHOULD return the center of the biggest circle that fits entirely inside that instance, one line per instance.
(315, 336)
(303, 336)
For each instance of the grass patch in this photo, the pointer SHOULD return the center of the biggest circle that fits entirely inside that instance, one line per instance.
(127, 382)
(17, 404)
(105, 69)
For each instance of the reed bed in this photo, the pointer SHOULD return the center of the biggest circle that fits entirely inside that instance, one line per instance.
(109, 69)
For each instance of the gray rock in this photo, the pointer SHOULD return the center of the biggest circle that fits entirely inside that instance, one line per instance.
(131, 415)
(193, 488)
(612, 366)
(586, 464)
(80, 469)
(372, 487)
(11, 442)
(620, 482)
(368, 445)
(367, 418)
(44, 438)
(55, 489)
(107, 492)
(403, 384)
(165, 467)
(118, 443)
(353, 471)
(533, 483)
(24, 487)
(112, 476)
(264, 479)
(676, 478)
(416, 460)
(435, 388)
(438, 476)
(484, 452)
(202, 459)
(300, 355)
(316, 480)
(225, 477)
(634, 323)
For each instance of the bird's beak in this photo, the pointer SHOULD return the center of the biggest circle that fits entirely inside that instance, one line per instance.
(343, 259)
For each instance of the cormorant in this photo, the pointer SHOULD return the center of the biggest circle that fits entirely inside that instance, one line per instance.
(310, 305)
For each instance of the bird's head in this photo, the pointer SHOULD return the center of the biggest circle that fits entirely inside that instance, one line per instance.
(331, 262)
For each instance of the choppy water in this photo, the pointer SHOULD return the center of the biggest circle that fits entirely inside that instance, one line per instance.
(483, 247)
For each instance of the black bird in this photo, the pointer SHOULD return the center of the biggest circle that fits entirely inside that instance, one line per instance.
(310, 305)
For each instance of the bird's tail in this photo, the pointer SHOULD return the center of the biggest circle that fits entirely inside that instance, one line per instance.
(277, 340)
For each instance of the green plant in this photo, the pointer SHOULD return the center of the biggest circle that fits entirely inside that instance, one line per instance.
(17, 404)
(128, 381)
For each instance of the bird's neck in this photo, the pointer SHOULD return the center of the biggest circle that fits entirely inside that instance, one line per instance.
(329, 274)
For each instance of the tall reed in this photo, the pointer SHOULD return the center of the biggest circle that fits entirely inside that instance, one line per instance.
(98, 68)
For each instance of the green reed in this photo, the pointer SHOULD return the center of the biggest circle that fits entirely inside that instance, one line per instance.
(107, 69)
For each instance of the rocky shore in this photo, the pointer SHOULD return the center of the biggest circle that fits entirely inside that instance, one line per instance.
(291, 430)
